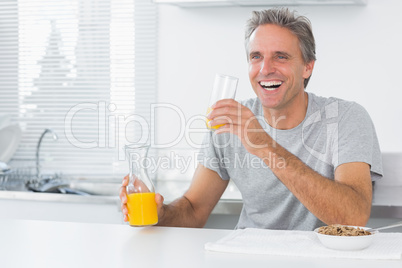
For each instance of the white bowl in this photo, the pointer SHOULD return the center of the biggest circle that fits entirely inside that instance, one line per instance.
(346, 242)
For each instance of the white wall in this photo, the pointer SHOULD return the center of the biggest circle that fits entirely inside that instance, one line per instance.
(358, 50)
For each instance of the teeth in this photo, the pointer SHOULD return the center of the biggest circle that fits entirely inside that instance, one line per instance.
(270, 83)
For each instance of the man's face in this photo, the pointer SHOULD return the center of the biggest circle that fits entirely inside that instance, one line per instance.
(276, 67)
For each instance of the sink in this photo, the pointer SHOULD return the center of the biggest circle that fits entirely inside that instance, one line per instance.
(61, 186)
(12, 185)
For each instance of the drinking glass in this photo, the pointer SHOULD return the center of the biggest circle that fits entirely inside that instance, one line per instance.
(224, 88)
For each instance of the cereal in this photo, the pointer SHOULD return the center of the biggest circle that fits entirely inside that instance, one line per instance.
(341, 230)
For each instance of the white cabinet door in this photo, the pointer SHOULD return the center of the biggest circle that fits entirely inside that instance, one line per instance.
(60, 211)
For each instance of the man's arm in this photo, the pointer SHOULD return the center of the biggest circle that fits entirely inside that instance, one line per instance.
(194, 207)
(344, 200)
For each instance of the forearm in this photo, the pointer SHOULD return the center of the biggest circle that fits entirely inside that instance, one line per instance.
(329, 200)
(195, 206)
(179, 213)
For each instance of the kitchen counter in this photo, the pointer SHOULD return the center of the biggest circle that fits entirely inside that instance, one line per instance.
(230, 202)
(387, 200)
(26, 243)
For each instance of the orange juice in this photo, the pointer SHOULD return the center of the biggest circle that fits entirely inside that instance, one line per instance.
(142, 209)
(212, 127)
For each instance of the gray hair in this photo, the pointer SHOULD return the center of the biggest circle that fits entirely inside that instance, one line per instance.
(300, 26)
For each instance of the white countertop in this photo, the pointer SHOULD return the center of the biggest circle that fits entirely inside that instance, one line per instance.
(64, 244)
(230, 203)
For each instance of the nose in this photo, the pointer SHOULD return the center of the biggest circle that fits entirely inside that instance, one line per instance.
(267, 67)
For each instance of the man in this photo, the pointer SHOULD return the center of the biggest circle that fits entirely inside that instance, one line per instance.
(299, 160)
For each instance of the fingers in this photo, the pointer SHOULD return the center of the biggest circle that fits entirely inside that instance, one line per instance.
(125, 181)
(222, 120)
(233, 115)
(123, 198)
(225, 129)
(225, 111)
(224, 115)
(229, 119)
(159, 200)
(229, 108)
(225, 102)
(123, 193)
(124, 210)
(159, 206)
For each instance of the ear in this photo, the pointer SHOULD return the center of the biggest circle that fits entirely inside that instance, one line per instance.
(308, 69)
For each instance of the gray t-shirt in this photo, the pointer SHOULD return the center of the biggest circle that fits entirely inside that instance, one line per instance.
(333, 132)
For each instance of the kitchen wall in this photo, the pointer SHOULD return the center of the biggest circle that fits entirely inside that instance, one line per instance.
(358, 50)
(359, 58)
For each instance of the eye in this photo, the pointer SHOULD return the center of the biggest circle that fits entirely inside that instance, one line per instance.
(282, 56)
(255, 56)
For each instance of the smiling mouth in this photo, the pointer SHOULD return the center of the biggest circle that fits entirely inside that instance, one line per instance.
(271, 85)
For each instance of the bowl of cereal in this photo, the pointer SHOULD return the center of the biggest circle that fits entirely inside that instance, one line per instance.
(345, 237)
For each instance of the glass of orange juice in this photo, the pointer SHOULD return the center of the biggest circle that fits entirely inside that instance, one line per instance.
(141, 203)
(224, 88)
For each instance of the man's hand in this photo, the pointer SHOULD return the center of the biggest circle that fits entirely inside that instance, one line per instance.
(123, 197)
(239, 120)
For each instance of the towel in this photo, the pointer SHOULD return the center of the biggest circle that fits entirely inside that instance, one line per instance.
(302, 244)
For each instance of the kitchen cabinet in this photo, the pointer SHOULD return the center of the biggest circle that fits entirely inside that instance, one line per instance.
(217, 3)
(57, 207)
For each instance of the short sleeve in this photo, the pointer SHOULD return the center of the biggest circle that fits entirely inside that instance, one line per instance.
(211, 157)
(357, 140)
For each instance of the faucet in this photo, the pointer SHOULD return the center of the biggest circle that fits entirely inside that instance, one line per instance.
(55, 138)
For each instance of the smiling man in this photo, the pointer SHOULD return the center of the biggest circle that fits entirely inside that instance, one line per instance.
(299, 160)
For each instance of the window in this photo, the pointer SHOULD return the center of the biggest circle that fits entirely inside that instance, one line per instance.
(83, 68)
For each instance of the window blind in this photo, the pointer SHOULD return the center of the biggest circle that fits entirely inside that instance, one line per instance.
(84, 68)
